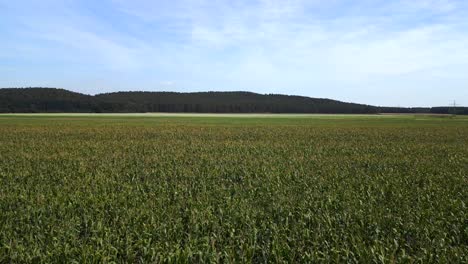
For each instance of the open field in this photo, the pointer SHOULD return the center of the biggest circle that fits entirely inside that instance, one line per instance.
(233, 188)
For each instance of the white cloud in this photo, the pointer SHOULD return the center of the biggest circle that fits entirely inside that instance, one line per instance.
(264, 45)
(167, 83)
(111, 53)
(434, 5)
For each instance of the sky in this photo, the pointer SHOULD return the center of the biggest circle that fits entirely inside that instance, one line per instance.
(379, 52)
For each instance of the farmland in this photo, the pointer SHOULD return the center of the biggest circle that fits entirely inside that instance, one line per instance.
(256, 188)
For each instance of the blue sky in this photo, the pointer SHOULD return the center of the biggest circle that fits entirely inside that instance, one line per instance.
(381, 52)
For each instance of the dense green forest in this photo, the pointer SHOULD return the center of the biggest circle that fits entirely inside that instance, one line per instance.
(31, 100)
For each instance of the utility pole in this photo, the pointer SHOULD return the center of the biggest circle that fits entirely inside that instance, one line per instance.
(454, 107)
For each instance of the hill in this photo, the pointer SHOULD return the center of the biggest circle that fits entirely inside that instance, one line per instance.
(228, 102)
(17, 100)
(31, 100)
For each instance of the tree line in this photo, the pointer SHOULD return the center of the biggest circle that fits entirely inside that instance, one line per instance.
(50, 100)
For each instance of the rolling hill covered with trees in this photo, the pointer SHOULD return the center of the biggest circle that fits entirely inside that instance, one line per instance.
(52, 100)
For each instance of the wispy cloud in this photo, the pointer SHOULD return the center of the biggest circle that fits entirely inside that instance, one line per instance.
(355, 52)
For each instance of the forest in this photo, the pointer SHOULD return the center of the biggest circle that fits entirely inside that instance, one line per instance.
(53, 100)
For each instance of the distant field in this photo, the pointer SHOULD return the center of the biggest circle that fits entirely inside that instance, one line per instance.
(266, 115)
(233, 188)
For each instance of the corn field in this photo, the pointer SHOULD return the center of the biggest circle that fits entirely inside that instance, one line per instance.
(163, 189)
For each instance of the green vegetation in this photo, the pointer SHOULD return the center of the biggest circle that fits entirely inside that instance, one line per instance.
(49, 100)
(43, 100)
(149, 188)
